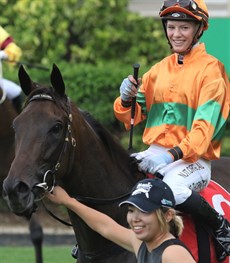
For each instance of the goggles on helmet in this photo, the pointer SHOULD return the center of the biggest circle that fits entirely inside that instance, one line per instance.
(187, 4)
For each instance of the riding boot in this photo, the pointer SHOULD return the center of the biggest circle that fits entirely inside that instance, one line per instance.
(17, 102)
(199, 208)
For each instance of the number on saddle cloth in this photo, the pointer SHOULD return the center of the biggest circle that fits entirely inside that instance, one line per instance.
(218, 198)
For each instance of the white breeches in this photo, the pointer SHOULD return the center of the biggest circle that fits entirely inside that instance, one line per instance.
(184, 177)
(12, 89)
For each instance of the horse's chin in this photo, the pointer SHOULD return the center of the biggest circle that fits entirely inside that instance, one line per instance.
(27, 213)
(23, 210)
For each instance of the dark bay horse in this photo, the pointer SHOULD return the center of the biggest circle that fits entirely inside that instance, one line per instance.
(219, 168)
(7, 115)
(57, 143)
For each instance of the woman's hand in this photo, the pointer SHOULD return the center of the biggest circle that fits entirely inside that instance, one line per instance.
(58, 196)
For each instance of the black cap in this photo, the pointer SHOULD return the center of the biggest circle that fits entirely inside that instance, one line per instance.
(151, 194)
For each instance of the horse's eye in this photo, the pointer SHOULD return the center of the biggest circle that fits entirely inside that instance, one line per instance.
(57, 128)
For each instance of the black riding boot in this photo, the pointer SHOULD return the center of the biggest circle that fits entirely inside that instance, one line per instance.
(199, 208)
(17, 102)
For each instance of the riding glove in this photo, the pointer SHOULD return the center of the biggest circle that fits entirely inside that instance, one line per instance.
(152, 164)
(127, 90)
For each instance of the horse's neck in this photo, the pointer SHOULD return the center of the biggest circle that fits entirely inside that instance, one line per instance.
(102, 174)
(100, 170)
(89, 241)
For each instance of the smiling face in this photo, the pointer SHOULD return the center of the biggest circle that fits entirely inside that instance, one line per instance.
(146, 226)
(181, 34)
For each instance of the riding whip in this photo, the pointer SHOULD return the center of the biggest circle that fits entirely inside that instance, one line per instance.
(30, 65)
(135, 75)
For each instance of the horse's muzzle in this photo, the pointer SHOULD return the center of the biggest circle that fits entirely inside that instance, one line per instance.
(19, 198)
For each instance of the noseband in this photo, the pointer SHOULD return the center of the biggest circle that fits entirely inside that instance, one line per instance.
(68, 138)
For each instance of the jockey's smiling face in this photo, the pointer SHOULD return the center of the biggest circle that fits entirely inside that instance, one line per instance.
(180, 34)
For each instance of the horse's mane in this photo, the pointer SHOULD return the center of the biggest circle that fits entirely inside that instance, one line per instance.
(112, 145)
(109, 141)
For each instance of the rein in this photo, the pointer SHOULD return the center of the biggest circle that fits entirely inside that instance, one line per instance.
(87, 200)
(101, 201)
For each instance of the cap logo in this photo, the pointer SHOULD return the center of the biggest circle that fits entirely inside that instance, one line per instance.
(166, 202)
(176, 15)
(143, 189)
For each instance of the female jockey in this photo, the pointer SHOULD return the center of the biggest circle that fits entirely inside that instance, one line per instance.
(11, 52)
(185, 101)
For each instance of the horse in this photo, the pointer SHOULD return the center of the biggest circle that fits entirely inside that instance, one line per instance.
(57, 143)
(7, 115)
(222, 167)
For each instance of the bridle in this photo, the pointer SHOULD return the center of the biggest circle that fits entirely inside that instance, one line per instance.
(68, 138)
(50, 173)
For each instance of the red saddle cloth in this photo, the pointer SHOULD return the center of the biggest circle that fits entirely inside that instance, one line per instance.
(218, 198)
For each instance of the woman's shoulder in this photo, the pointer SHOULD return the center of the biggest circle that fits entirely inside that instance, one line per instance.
(174, 248)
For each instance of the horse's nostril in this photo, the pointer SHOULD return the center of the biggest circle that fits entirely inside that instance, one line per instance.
(21, 188)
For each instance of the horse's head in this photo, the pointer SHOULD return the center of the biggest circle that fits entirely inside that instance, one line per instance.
(42, 139)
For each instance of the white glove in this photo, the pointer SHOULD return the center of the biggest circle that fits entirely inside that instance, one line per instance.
(151, 164)
(127, 90)
(3, 55)
(140, 155)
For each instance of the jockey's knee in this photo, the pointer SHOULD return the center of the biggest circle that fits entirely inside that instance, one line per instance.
(181, 193)
(12, 89)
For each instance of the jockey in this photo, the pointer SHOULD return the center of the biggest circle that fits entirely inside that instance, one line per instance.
(185, 101)
(11, 52)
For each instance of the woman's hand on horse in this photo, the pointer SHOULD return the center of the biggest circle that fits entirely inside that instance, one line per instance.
(58, 196)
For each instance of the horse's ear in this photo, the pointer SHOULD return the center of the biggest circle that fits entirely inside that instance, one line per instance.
(25, 81)
(57, 81)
